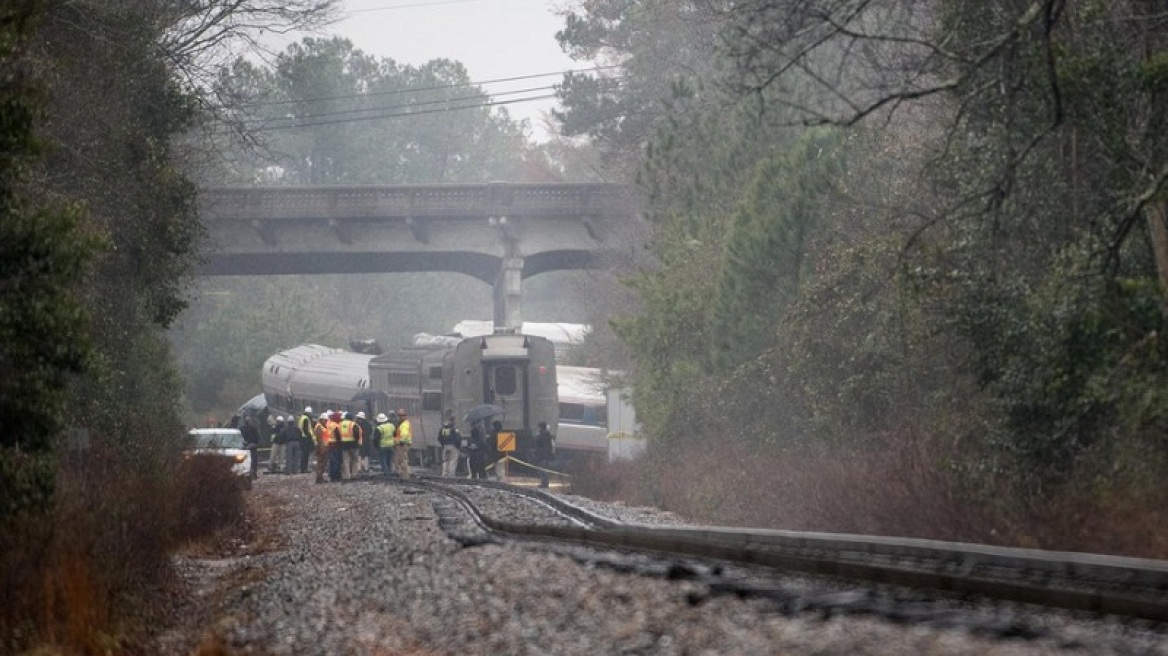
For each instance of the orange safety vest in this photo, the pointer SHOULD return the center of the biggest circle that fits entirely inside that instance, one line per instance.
(347, 434)
(324, 433)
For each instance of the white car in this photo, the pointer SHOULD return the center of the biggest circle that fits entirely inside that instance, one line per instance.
(227, 442)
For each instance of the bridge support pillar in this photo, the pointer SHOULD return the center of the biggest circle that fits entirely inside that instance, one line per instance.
(509, 294)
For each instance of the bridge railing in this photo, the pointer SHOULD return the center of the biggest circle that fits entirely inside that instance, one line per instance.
(415, 201)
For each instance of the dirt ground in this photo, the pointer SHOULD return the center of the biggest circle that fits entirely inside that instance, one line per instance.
(207, 570)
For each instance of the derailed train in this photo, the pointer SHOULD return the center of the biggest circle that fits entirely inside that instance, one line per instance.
(513, 371)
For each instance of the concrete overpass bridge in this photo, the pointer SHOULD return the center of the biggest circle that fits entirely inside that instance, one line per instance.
(500, 233)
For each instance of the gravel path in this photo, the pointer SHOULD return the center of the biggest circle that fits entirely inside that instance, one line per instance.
(360, 568)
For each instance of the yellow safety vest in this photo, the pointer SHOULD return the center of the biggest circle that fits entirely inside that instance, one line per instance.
(386, 432)
(347, 430)
(404, 434)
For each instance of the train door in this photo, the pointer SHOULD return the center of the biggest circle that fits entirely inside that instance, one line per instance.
(505, 384)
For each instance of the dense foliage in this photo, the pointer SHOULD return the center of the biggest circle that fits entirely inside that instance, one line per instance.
(975, 252)
(99, 235)
(43, 257)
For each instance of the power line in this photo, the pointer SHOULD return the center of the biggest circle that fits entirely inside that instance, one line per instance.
(412, 6)
(437, 101)
(281, 122)
(357, 119)
(439, 87)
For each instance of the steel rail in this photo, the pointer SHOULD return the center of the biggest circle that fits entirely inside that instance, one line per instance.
(1100, 584)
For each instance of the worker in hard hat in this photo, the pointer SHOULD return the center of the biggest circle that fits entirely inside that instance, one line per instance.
(348, 433)
(305, 423)
(384, 431)
(402, 442)
(323, 437)
(367, 448)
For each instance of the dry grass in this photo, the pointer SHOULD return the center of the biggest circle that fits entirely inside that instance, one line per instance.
(84, 576)
(901, 488)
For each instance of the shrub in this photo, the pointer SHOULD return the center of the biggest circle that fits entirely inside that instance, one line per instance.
(208, 496)
(80, 575)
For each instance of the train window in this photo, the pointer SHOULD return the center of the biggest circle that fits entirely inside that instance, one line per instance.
(592, 417)
(573, 412)
(505, 380)
(432, 401)
(404, 380)
(435, 372)
(578, 413)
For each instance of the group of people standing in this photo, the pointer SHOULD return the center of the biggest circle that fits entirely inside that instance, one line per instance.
(345, 444)
(474, 447)
(481, 449)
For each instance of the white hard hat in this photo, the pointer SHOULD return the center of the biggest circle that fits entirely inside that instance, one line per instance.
(381, 417)
(324, 415)
(361, 415)
(279, 419)
(307, 409)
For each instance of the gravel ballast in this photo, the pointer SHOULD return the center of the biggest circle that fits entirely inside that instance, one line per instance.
(369, 568)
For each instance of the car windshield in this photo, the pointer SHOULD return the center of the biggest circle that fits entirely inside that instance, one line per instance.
(216, 440)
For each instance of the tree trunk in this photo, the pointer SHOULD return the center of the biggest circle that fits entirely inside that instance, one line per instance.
(1157, 213)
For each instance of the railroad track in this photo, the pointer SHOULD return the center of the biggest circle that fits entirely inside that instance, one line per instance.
(1098, 584)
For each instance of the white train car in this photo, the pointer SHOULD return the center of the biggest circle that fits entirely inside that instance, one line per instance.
(583, 405)
(565, 336)
(317, 376)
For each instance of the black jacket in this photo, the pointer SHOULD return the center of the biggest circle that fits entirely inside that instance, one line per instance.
(475, 444)
(291, 433)
(368, 435)
(449, 436)
(251, 435)
(545, 445)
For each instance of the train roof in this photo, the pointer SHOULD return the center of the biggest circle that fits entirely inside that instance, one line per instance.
(580, 385)
(557, 333)
(300, 355)
(410, 356)
(339, 376)
(253, 406)
(317, 372)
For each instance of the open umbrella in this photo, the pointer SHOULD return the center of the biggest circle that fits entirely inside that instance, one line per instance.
(480, 412)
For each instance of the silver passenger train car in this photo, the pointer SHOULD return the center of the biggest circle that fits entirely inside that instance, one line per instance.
(583, 410)
(513, 371)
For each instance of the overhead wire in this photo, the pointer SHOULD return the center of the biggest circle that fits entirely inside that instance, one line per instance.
(356, 119)
(437, 87)
(414, 5)
(423, 103)
(482, 100)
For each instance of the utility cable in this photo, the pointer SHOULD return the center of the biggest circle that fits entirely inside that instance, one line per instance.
(421, 103)
(438, 87)
(274, 128)
(483, 96)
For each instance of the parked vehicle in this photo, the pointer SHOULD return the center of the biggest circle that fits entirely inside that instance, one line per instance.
(222, 442)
